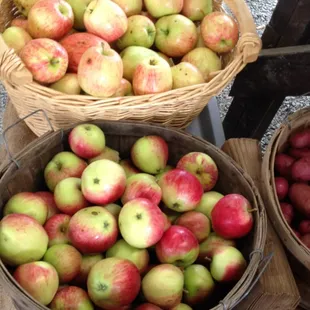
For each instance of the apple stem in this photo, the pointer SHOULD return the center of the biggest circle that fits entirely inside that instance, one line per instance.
(252, 210)
(208, 259)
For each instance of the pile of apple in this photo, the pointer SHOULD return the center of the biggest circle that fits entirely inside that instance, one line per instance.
(292, 178)
(124, 234)
(114, 48)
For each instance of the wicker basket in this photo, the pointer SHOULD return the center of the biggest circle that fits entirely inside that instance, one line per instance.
(28, 177)
(176, 108)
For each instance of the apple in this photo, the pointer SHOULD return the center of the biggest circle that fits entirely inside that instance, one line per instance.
(288, 211)
(57, 229)
(63, 165)
(50, 19)
(17, 235)
(171, 215)
(168, 59)
(68, 84)
(306, 240)
(141, 223)
(159, 9)
(282, 187)
(228, 264)
(304, 227)
(103, 182)
(205, 60)
(220, 32)
(202, 166)
(71, 297)
(176, 35)
(16, 38)
(198, 284)
(66, 259)
(166, 169)
(105, 19)
(38, 279)
(79, 8)
(148, 306)
(185, 74)
(87, 140)
(182, 307)
(24, 6)
(114, 209)
(167, 222)
(128, 167)
(132, 7)
(207, 202)
(46, 59)
(196, 10)
(113, 283)
(200, 42)
(100, 70)
(181, 190)
(297, 233)
(163, 286)
(20, 21)
(125, 89)
(296, 191)
(148, 15)
(231, 217)
(48, 198)
(107, 153)
(150, 154)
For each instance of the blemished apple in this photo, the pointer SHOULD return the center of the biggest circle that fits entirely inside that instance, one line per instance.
(48, 197)
(50, 19)
(159, 9)
(68, 84)
(166, 169)
(207, 202)
(114, 209)
(87, 140)
(121, 249)
(20, 21)
(220, 32)
(132, 7)
(148, 306)
(205, 60)
(129, 167)
(66, 259)
(227, 264)
(46, 59)
(38, 279)
(103, 182)
(24, 5)
(142, 185)
(198, 284)
(288, 211)
(202, 166)
(57, 229)
(63, 165)
(304, 227)
(141, 223)
(150, 154)
(178, 246)
(125, 89)
(182, 306)
(140, 32)
(16, 38)
(113, 283)
(107, 153)
(71, 297)
(231, 217)
(200, 42)
(196, 10)
(185, 74)
(163, 286)
(100, 70)
(176, 35)
(17, 232)
(79, 8)
(168, 59)
(105, 19)
(181, 190)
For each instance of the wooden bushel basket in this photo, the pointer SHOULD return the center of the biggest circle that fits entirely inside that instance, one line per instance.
(24, 172)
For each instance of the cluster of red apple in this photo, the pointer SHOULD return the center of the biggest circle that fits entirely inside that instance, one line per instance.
(292, 170)
(159, 242)
(113, 48)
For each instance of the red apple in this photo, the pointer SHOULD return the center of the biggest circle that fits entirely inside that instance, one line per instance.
(288, 211)
(129, 168)
(304, 227)
(299, 196)
(283, 164)
(281, 185)
(48, 197)
(162, 8)
(306, 240)
(148, 306)
(300, 171)
(20, 21)
(297, 233)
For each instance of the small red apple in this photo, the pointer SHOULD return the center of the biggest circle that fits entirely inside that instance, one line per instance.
(148, 306)
(282, 186)
(297, 233)
(283, 164)
(288, 211)
(304, 227)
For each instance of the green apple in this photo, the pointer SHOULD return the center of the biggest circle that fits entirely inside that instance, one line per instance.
(130, 7)
(196, 10)
(207, 202)
(162, 8)
(79, 8)
(16, 38)
(107, 153)
(68, 84)
(182, 307)
(24, 6)
(114, 209)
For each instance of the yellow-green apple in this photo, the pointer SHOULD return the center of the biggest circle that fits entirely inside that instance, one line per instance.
(125, 89)
(113, 283)
(48, 197)
(50, 19)
(128, 167)
(202, 166)
(107, 153)
(130, 7)
(231, 217)
(207, 202)
(227, 264)
(168, 59)
(182, 307)
(197, 9)
(178, 246)
(172, 215)
(68, 84)
(219, 32)
(87, 140)
(77, 44)
(79, 8)
(17, 235)
(46, 59)
(24, 6)
(20, 21)
(181, 190)
(176, 35)
(114, 209)
(100, 71)
(163, 286)
(66, 259)
(141, 223)
(142, 185)
(150, 154)
(16, 38)
(197, 223)
(121, 249)
(63, 165)
(198, 284)
(38, 279)
(103, 182)
(140, 32)
(93, 230)
(71, 297)
(148, 306)
(185, 74)
(205, 60)
(200, 42)
(162, 8)
(105, 19)
(166, 169)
